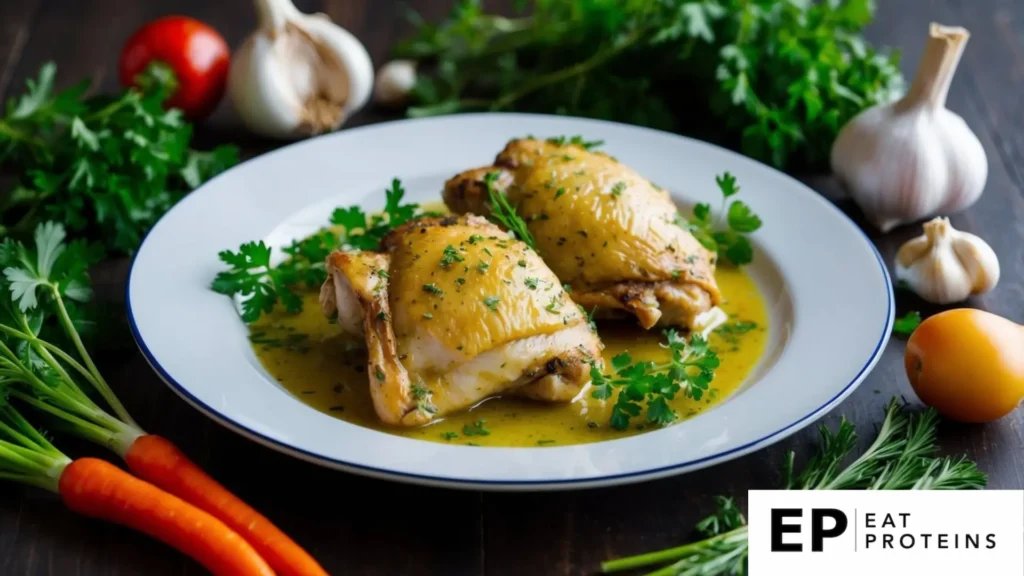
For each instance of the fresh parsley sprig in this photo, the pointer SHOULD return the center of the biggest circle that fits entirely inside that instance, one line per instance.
(108, 167)
(774, 79)
(365, 233)
(902, 457)
(263, 286)
(690, 371)
(727, 238)
(905, 325)
(504, 214)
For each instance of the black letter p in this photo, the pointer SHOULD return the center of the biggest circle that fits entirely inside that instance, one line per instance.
(818, 532)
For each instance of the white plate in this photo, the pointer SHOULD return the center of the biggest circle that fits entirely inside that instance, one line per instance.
(828, 290)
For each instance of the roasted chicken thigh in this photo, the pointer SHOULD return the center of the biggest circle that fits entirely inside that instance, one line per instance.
(602, 228)
(453, 311)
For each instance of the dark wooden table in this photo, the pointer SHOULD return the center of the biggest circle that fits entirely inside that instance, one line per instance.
(359, 526)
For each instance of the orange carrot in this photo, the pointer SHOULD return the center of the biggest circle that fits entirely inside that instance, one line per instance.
(99, 489)
(157, 460)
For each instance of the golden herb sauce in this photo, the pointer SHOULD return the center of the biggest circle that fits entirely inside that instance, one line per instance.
(307, 356)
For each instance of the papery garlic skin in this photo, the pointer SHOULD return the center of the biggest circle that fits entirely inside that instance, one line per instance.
(394, 83)
(945, 266)
(912, 159)
(298, 74)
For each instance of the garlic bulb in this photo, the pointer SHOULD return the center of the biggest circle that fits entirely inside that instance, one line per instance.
(298, 74)
(905, 161)
(394, 82)
(945, 265)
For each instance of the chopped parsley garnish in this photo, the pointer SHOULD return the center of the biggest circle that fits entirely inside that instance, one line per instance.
(422, 397)
(383, 273)
(522, 263)
(380, 374)
(460, 281)
(559, 193)
(428, 316)
(739, 221)
(488, 252)
(482, 267)
(504, 214)
(905, 325)
(618, 188)
(567, 287)
(294, 342)
(382, 316)
(432, 289)
(531, 283)
(475, 429)
(576, 140)
(492, 302)
(449, 256)
(554, 305)
(449, 436)
(691, 370)
(475, 238)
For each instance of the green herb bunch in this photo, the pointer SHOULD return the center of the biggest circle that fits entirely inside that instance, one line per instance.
(107, 167)
(774, 78)
(646, 384)
(902, 457)
(263, 284)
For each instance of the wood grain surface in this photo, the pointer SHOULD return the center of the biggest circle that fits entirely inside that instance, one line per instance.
(360, 526)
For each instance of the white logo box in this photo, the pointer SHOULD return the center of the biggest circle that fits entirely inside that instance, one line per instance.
(936, 533)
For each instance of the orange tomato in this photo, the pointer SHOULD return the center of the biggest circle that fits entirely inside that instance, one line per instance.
(968, 364)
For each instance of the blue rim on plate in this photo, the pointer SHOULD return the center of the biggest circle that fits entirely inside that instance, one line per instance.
(454, 482)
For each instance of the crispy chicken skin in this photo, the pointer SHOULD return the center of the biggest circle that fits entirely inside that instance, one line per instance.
(453, 310)
(602, 228)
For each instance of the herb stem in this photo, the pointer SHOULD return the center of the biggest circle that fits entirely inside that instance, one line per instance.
(101, 385)
(15, 134)
(668, 554)
(70, 360)
(538, 82)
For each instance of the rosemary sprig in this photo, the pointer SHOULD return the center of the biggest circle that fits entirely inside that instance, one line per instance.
(902, 457)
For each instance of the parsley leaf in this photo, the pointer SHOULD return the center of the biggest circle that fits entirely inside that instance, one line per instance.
(646, 384)
(775, 79)
(905, 325)
(730, 242)
(263, 286)
(106, 167)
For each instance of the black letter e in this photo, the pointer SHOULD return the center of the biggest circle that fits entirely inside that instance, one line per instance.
(779, 528)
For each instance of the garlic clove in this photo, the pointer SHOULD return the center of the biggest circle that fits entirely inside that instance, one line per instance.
(298, 74)
(912, 159)
(395, 81)
(945, 265)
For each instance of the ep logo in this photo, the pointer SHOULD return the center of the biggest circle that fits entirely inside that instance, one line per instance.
(824, 523)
